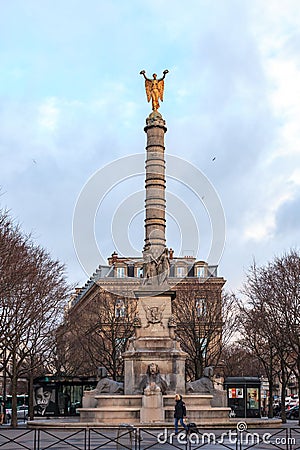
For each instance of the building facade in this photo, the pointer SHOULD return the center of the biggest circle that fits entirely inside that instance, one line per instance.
(107, 301)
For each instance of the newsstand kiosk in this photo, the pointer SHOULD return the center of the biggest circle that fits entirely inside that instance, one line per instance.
(243, 395)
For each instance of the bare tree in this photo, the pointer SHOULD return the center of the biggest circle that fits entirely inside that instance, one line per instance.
(257, 340)
(284, 279)
(97, 334)
(206, 320)
(240, 361)
(32, 292)
(272, 318)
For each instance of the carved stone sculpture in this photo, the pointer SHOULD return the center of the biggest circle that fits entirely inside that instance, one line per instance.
(153, 381)
(163, 267)
(107, 386)
(156, 271)
(149, 269)
(204, 385)
(154, 314)
(152, 389)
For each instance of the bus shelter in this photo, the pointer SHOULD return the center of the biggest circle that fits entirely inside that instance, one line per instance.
(243, 395)
(60, 396)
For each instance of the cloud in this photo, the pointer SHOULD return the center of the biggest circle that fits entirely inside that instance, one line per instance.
(48, 114)
(72, 99)
(287, 220)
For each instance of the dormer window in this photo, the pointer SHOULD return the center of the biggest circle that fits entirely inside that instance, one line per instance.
(200, 272)
(180, 272)
(120, 272)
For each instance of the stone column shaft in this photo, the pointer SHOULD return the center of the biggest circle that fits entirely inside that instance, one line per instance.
(155, 222)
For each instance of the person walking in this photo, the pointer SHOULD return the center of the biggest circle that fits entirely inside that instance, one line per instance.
(179, 413)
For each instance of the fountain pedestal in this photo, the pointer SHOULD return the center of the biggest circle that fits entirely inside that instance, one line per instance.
(154, 351)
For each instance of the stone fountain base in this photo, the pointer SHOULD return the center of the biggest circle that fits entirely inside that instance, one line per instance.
(116, 409)
(154, 371)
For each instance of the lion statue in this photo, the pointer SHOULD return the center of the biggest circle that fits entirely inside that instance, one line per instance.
(153, 381)
(107, 386)
(204, 385)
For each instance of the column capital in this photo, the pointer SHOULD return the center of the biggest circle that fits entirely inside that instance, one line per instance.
(155, 119)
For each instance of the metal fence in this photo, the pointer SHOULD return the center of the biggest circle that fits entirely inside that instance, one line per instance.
(126, 436)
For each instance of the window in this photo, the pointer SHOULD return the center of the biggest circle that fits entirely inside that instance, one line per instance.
(180, 272)
(130, 270)
(139, 272)
(200, 307)
(120, 347)
(120, 310)
(204, 345)
(120, 272)
(200, 272)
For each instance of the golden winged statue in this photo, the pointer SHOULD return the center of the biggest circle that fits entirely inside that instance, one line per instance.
(154, 88)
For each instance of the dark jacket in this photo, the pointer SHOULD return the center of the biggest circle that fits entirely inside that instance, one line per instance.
(180, 409)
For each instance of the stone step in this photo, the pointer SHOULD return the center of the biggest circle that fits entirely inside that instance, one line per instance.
(110, 408)
(119, 400)
(189, 400)
(113, 415)
(200, 408)
(195, 415)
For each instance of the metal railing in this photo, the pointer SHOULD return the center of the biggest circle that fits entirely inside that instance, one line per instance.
(16, 439)
(129, 437)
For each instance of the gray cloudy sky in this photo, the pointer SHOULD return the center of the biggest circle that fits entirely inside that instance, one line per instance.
(72, 101)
